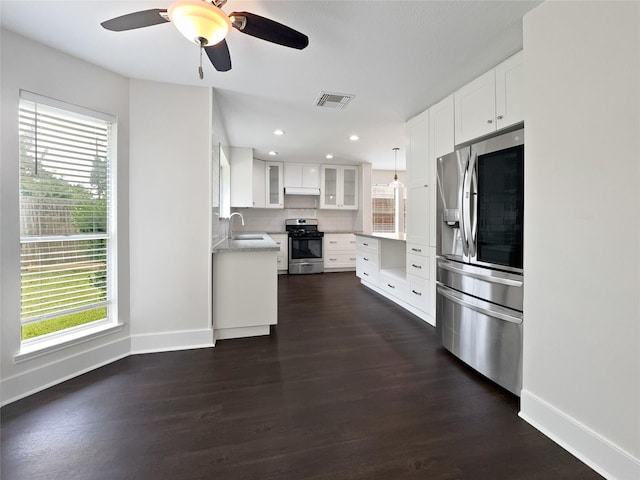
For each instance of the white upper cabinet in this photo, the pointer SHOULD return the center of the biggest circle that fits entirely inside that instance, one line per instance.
(509, 91)
(475, 108)
(242, 177)
(259, 192)
(441, 127)
(301, 176)
(339, 187)
(273, 185)
(490, 102)
(417, 154)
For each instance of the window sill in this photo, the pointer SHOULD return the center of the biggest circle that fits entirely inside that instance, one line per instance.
(39, 347)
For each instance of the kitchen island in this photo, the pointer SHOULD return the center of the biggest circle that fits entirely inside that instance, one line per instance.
(398, 270)
(245, 286)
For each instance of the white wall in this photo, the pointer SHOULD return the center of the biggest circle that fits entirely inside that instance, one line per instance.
(40, 69)
(384, 177)
(582, 230)
(170, 231)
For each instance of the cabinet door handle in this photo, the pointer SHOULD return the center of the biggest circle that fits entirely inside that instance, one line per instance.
(365, 274)
(489, 121)
(365, 244)
(416, 266)
(390, 286)
(499, 117)
(333, 259)
(365, 259)
(417, 293)
(416, 249)
(332, 241)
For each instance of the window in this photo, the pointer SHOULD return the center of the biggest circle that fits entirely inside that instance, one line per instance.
(389, 212)
(66, 217)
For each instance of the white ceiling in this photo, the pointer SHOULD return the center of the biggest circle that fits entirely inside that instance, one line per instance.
(396, 57)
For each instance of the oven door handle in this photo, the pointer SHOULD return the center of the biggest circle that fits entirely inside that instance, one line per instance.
(457, 298)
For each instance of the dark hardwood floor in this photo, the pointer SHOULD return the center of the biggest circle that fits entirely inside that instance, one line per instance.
(348, 386)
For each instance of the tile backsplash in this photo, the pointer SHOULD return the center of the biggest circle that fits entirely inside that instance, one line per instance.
(272, 220)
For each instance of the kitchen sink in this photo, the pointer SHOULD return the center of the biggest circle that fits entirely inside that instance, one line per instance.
(248, 237)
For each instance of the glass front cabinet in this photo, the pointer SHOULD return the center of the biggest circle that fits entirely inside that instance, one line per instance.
(274, 185)
(339, 185)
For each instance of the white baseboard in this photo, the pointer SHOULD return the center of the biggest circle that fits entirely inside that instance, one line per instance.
(172, 341)
(39, 378)
(594, 450)
(242, 332)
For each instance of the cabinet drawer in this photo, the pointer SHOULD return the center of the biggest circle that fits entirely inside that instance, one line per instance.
(367, 271)
(340, 260)
(367, 243)
(339, 242)
(368, 258)
(418, 249)
(418, 265)
(283, 262)
(418, 294)
(393, 285)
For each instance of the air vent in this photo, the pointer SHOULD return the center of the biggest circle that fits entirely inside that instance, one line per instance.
(333, 100)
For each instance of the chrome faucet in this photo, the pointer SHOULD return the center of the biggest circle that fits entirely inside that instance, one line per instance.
(230, 222)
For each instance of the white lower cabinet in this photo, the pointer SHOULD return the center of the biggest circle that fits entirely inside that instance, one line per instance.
(339, 251)
(282, 240)
(402, 272)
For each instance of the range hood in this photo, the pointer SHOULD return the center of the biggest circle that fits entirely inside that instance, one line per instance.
(302, 191)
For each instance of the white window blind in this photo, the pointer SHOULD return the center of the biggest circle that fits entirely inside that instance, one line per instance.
(386, 209)
(65, 217)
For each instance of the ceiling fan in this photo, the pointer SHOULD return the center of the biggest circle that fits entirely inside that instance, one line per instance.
(206, 25)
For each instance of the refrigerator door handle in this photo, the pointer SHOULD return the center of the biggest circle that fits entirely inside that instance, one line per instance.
(470, 220)
(478, 276)
(456, 298)
(463, 205)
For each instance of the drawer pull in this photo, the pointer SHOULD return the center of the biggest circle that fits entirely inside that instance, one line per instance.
(352, 258)
(365, 274)
(417, 293)
(390, 286)
(416, 266)
(332, 241)
(365, 259)
(365, 244)
(416, 249)
(333, 259)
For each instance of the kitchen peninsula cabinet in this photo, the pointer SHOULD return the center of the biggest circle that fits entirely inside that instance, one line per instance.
(398, 270)
(339, 187)
(245, 287)
(491, 102)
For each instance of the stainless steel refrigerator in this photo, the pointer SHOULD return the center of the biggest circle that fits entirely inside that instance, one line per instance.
(480, 277)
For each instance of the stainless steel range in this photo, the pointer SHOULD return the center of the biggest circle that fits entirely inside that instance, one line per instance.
(305, 245)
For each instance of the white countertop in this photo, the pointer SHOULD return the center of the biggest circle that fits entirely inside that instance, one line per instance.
(401, 237)
(243, 242)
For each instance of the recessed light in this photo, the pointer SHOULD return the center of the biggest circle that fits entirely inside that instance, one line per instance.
(273, 153)
(278, 132)
(354, 138)
(329, 156)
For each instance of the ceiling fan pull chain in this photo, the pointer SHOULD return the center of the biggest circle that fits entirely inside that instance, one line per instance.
(200, 71)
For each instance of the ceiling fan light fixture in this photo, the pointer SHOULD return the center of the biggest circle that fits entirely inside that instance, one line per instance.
(200, 22)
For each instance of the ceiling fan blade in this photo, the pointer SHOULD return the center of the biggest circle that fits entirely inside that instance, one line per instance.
(130, 21)
(219, 56)
(269, 30)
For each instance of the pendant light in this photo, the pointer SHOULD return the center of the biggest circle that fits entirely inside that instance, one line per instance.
(396, 183)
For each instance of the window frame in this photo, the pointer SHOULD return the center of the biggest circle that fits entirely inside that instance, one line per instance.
(57, 340)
